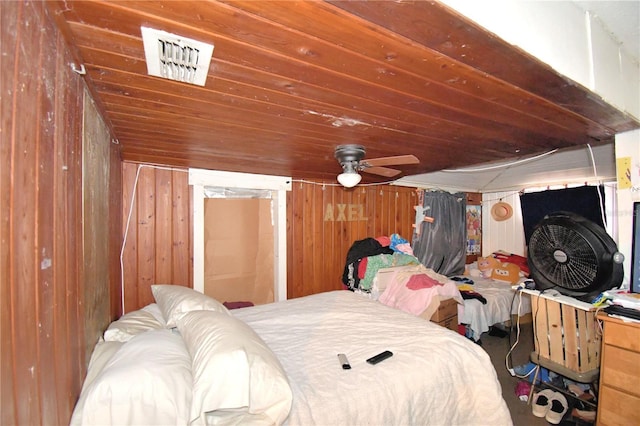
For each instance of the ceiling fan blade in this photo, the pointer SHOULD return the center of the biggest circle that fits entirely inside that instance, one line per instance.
(382, 171)
(392, 161)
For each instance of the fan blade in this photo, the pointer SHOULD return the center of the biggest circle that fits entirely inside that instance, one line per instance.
(382, 171)
(392, 161)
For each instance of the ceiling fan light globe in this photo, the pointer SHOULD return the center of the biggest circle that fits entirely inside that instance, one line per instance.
(349, 180)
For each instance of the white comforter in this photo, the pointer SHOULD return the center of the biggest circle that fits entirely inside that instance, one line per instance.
(502, 302)
(435, 376)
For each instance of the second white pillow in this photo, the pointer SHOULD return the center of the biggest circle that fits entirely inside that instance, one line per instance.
(235, 374)
(176, 300)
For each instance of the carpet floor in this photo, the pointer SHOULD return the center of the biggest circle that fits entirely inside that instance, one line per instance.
(498, 346)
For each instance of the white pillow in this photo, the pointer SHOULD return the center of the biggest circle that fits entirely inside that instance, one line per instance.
(154, 310)
(147, 381)
(235, 374)
(102, 353)
(175, 301)
(132, 323)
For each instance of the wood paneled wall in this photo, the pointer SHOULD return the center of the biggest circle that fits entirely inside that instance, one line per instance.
(102, 196)
(157, 220)
(322, 223)
(45, 334)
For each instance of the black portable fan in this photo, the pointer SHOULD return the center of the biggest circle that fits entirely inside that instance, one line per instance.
(574, 256)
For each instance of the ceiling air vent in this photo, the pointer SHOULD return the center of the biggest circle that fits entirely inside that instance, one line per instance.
(176, 58)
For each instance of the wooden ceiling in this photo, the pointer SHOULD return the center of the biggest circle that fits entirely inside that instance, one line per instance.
(289, 81)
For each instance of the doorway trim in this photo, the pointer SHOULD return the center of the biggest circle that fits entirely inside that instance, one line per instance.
(278, 185)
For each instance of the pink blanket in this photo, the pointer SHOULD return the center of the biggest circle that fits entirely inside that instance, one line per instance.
(412, 289)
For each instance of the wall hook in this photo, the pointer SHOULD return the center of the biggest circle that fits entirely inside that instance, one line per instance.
(80, 71)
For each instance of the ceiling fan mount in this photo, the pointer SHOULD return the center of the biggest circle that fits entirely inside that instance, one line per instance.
(351, 158)
(350, 153)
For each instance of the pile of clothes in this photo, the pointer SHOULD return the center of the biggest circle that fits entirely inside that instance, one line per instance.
(467, 290)
(366, 256)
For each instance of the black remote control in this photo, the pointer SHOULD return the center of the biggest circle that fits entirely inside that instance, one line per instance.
(380, 357)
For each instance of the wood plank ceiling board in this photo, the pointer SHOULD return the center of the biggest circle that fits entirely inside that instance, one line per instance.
(291, 80)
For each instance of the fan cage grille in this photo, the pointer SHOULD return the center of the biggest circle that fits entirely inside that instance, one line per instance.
(550, 244)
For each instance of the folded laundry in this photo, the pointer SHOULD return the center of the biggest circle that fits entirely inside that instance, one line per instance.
(237, 305)
(473, 295)
(465, 287)
(420, 281)
(463, 280)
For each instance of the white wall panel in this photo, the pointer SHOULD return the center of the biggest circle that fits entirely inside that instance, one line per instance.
(507, 235)
(631, 84)
(565, 37)
(607, 73)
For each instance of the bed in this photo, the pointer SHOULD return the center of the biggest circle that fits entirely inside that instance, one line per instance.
(502, 303)
(285, 369)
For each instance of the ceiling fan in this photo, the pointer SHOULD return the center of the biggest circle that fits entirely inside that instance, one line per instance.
(351, 158)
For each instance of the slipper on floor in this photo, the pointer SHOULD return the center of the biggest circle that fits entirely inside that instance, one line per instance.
(558, 408)
(542, 402)
(584, 415)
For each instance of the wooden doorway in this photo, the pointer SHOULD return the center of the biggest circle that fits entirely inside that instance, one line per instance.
(257, 206)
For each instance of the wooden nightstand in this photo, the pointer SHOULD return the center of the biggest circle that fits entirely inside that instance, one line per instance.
(619, 395)
(447, 314)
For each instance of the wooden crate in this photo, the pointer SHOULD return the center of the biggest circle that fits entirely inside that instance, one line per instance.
(567, 338)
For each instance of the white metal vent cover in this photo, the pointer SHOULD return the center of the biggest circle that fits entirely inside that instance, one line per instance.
(176, 58)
